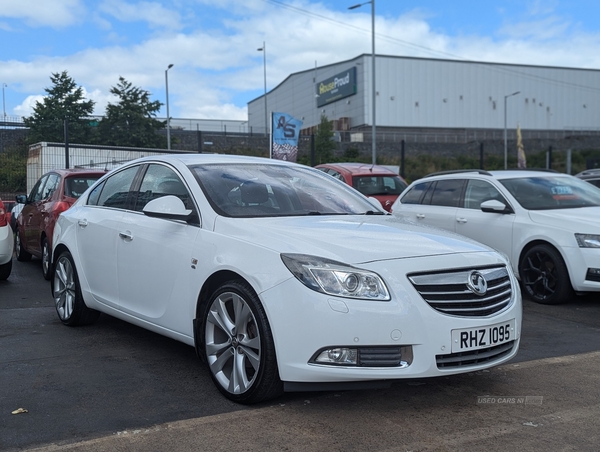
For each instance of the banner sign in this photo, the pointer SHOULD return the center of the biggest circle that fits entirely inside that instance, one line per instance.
(336, 87)
(286, 130)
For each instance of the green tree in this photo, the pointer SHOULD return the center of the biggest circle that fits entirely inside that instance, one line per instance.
(64, 101)
(132, 120)
(324, 144)
(13, 169)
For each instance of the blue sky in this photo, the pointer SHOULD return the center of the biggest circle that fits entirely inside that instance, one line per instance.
(213, 43)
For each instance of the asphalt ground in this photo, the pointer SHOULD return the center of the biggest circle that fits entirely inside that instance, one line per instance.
(113, 386)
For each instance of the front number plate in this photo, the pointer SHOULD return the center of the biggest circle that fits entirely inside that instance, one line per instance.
(482, 337)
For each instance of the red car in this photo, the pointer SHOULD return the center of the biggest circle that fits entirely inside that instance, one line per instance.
(53, 193)
(376, 181)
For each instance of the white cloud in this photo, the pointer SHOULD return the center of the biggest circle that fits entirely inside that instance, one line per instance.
(151, 12)
(215, 68)
(38, 13)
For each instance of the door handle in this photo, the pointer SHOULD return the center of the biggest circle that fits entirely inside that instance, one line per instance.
(461, 220)
(126, 236)
(83, 223)
(420, 216)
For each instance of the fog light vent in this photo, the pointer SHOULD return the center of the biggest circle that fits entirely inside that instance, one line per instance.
(593, 274)
(365, 356)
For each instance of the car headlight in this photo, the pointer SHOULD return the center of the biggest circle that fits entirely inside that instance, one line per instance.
(588, 240)
(334, 278)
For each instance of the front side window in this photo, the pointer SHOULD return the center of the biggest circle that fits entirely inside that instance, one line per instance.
(158, 181)
(478, 191)
(36, 191)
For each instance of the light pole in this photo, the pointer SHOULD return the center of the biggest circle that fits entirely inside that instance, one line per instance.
(4, 85)
(263, 49)
(374, 93)
(505, 135)
(168, 115)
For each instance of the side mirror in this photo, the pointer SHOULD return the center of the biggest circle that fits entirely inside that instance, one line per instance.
(375, 202)
(494, 206)
(169, 207)
(21, 199)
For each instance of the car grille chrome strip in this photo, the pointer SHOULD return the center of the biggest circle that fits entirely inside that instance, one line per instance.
(474, 357)
(451, 293)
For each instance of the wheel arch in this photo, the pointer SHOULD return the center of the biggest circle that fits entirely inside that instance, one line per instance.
(533, 243)
(57, 252)
(210, 285)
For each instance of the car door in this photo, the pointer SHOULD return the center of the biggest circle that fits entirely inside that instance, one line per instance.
(154, 255)
(491, 228)
(436, 204)
(38, 211)
(98, 234)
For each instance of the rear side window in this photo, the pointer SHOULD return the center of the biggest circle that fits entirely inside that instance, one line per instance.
(447, 192)
(415, 194)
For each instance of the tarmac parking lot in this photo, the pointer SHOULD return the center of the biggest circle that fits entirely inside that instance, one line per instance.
(113, 386)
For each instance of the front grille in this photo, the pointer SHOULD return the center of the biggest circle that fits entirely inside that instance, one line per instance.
(483, 355)
(450, 292)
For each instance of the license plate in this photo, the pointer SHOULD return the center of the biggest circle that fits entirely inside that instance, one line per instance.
(482, 337)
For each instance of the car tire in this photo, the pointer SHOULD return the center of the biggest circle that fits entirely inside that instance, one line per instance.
(46, 265)
(238, 346)
(70, 307)
(5, 270)
(22, 255)
(544, 275)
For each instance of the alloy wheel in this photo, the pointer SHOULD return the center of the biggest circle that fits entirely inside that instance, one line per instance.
(233, 343)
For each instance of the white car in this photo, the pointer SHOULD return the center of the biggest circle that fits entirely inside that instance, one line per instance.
(280, 276)
(547, 223)
(7, 241)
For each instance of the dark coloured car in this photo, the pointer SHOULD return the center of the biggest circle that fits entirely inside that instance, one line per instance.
(53, 193)
(376, 181)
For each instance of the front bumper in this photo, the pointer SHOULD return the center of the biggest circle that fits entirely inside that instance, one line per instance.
(304, 322)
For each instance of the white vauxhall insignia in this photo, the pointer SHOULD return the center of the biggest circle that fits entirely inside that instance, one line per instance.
(280, 276)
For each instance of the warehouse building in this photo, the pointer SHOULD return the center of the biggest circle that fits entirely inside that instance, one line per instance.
(422, 94)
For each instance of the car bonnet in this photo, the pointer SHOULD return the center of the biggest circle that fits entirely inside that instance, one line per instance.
(351, 239)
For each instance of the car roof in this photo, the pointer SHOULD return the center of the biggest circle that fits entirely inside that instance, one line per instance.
(357, 169)
(497, 174)
(594, 172)
(64, 172)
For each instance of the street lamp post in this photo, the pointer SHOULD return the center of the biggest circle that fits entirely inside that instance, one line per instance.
(505, 134)
(168, 115)
(4, 85)
(374, 92)
(263, 49)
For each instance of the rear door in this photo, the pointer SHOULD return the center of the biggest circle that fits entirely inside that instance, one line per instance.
(433, 203)
(98, 234)
(38, 212)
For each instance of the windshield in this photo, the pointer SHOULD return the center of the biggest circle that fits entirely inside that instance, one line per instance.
(557, 192)
(75, 186)
(257, 190)
(379, 185)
